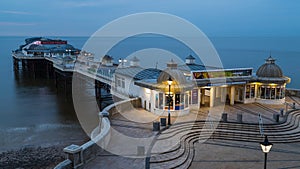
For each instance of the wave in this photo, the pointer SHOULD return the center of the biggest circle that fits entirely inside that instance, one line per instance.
(39, 128)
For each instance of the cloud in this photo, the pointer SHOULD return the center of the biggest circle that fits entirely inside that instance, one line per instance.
(93, 3)
(15, 12)
(81, 4)
(16, 24)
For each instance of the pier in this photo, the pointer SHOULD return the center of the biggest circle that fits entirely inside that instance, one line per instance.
(147, 90)
(62, 71)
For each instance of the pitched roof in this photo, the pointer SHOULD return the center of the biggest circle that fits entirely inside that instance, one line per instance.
(139, 73)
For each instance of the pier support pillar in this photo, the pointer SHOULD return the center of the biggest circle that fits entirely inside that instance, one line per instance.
(55, 80)
(16, 64)
(23, 64)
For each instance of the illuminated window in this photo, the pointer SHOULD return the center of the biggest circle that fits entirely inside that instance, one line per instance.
(167, 100)
(271, 92)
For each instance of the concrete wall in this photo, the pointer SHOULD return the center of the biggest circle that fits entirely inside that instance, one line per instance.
(130, 89)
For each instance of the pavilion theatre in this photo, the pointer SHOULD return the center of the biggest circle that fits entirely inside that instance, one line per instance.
(181, 88)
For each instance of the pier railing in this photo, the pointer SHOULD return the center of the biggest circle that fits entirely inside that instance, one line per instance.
(293, 92)
(78, 156)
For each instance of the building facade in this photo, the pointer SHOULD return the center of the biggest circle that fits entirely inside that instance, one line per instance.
(194, 86)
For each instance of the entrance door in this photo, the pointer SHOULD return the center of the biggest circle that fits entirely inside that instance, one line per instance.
(179, 102)
(169, 100)
(206, 98)
(239, 93)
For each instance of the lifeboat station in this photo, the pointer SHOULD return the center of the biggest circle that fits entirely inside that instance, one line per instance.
(181, 88)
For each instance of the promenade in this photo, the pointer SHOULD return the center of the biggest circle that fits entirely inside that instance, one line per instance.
(218, 151)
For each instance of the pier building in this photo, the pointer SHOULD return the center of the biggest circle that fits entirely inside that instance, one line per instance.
(195, 86)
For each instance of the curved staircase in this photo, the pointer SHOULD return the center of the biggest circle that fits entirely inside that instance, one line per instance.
(188, 133)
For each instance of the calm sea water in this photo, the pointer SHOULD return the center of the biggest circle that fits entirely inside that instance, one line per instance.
(29, 107)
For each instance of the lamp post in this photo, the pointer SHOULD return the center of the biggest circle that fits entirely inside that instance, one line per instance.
(69, 51)
(170, 81)
(122, 62)
(266, 147)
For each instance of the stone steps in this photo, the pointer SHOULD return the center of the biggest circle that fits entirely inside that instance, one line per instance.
(182, 154)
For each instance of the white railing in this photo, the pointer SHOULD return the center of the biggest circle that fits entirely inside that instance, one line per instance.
(78, 156)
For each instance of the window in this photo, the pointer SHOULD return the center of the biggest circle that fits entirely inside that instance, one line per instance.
(167, 100)
(161, 100)
(120, 82)
(179, 101)
(282, 93)
(123, 82)
(190, 97)
(263, 92)
(156, 101)
(250, 90)
(278, 92)
(268, 92)
(272, 93)
(247, 91)
(186, 100)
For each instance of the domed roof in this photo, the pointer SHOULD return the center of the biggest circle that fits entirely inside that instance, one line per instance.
(269, 69)
(107, 58)
(190, 57)
(135, 59)
(176, 75)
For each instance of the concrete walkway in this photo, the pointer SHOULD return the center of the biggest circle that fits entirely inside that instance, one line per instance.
(135, 124)
(236, 155)
(211, 154)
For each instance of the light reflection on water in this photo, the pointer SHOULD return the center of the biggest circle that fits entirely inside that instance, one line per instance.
(32, 112)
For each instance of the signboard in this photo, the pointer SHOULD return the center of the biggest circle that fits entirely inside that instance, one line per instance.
(53, 42)
(222, 73)
(195, 96)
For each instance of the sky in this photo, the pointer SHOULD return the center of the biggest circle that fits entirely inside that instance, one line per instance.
(213, 17)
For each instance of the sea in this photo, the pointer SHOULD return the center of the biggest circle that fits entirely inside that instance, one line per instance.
(32, 112)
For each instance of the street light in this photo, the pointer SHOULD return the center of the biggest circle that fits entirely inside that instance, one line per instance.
(122, 62)
(69, 51)
(266, 147)
(170, 81)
